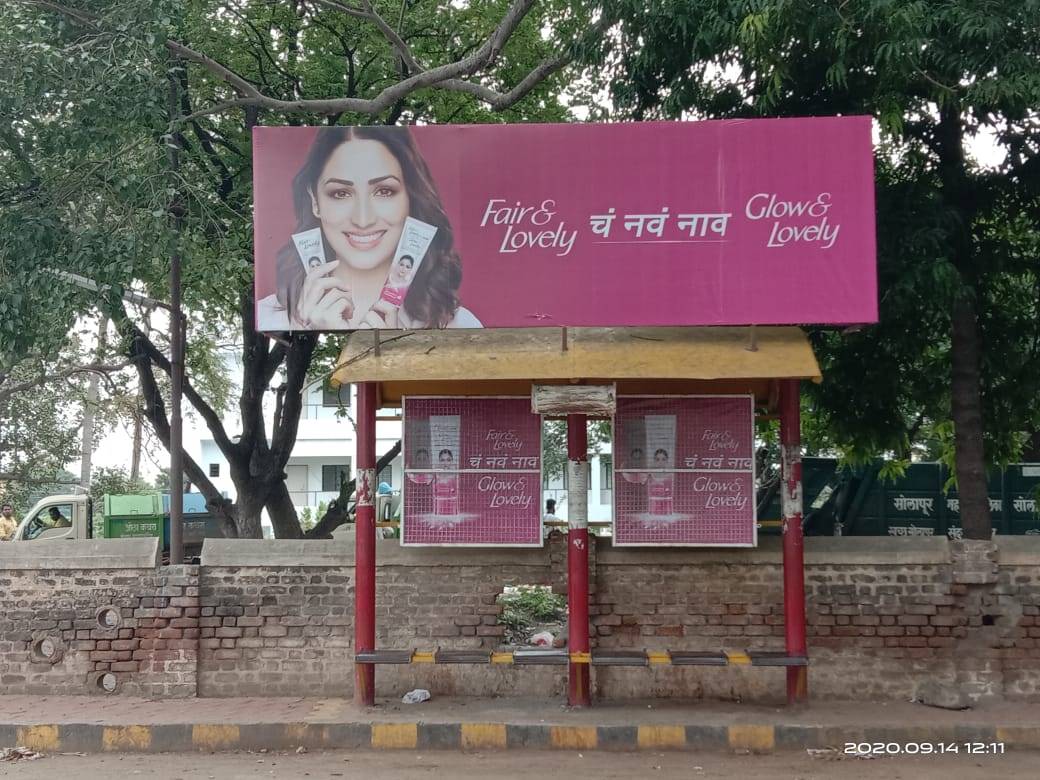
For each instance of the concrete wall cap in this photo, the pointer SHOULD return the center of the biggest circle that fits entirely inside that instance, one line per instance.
(130, 553)
(851, 550)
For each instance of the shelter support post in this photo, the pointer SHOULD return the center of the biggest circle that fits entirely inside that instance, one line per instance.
(365, 545)
(578, 693)
(794, 559)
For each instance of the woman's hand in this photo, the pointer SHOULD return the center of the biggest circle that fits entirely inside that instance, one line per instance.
(382, 316)
(325, 301)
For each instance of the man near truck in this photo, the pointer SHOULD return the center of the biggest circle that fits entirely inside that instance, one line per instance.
(58, 520)
(8, 525)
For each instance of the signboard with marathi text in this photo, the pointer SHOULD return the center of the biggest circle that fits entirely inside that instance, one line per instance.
(732, 222)
(472, 472)
(684, 471)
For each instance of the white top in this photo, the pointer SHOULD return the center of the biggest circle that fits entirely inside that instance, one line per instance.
(272, 317)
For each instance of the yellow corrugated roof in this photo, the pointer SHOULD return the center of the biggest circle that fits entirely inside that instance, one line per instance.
(508, 361)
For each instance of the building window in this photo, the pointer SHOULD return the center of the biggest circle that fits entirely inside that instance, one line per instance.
(214, 469)
(333, 476)
(335, 398)
(606, 472)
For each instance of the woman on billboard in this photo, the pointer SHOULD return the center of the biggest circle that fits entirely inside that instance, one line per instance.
(366, 206)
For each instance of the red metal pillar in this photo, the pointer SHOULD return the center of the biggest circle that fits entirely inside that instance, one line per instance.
(578, 693)
(365, 544)
(794, 563)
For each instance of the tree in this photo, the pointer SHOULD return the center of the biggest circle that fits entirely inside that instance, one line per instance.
(554, 444)
(98, 93)
(957, 261)
(116, 481)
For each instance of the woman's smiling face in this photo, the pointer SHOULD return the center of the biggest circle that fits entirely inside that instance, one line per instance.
(361, 201)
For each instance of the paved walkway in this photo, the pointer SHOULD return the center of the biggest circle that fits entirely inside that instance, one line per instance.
(92, 724)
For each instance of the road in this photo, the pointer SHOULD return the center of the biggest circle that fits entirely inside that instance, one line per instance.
(529, 765)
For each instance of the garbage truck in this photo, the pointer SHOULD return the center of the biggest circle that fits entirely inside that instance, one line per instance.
(147, 514)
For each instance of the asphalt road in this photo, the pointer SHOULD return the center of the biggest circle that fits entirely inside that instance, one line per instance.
(529, 765)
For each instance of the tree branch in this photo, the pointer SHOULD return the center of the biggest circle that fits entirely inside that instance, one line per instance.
(102, 369)
(283, 434)
(369, 13)
(451, 76)
(338, 511)
(154, 408)
(213, 421)
(80, 17)
(434, 77)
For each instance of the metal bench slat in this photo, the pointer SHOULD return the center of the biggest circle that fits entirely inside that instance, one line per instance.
(541, 657)
(620, 658)
(462, 657)
(682, 658)
(777, 659)
(384, 657)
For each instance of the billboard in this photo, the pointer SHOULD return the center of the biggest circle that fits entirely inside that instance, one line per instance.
(472, 472)
(757, 221)
(684, 471)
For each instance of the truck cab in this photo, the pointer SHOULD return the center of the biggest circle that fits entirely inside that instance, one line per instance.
(57, 517)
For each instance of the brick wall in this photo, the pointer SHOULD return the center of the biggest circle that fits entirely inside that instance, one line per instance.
(285, 631)
(151, 651)
(887, 619)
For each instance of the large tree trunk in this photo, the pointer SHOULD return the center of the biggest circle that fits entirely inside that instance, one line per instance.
(965, 347)
(966, 398)
(248, 506)
(280, 509)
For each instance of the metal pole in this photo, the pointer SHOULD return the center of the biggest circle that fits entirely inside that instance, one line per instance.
(578, 693)
(794, 563)
(176, 346)
(365, 545)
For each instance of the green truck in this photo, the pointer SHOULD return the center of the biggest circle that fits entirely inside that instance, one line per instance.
(121, 516)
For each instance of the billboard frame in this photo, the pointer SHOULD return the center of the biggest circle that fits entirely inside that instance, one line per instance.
(404, 474)
(754, 504)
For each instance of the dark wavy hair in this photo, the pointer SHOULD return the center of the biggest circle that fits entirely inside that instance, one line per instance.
(432, 298)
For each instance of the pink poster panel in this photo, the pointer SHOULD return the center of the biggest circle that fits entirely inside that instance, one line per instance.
(473, 472)
(733, 222)
(684, 471)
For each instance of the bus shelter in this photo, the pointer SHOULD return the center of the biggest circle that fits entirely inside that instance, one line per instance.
(765, 364)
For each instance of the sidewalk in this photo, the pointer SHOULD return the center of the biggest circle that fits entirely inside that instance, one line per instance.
(95, 724)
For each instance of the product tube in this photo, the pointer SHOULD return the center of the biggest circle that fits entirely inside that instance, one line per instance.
(411, 249)
(310, 248)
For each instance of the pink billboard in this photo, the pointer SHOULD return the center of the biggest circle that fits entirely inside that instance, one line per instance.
(759, 221)
(473, 472)
(684, 471)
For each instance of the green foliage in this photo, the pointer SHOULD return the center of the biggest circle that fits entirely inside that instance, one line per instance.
(554, 444)
(115, 481)
(527, 605)
(39, 432)
(85, 181)
(309, 516)
(933, 75)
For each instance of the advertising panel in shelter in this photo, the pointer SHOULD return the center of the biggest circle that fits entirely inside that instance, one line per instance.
(751, 221)
(473, 472)
(684, 471)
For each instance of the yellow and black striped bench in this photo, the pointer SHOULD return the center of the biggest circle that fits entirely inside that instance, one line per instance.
(553, 657)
